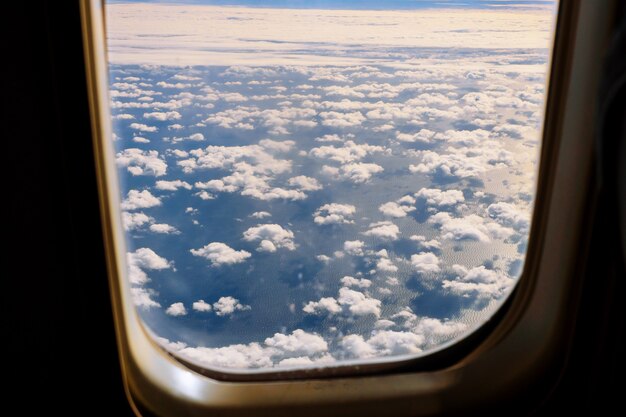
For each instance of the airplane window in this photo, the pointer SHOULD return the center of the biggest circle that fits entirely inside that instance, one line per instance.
(313, 184)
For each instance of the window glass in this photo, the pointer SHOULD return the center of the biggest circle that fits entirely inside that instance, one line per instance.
(311, 183)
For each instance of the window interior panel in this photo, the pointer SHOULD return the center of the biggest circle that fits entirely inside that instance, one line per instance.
(318, 184)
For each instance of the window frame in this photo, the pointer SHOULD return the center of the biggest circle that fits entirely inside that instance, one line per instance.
(527, 338)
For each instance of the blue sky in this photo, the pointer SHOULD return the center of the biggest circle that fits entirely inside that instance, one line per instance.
(312, 187)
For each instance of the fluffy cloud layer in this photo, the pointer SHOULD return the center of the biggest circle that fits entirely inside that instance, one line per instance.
(334, 213)
(219, 254)
(382, 174)
(139, 162)
(271, 237)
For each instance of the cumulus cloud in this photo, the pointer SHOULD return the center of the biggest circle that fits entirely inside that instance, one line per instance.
(438, 197)
(471, 227)
(358, 173)
(277, 146)
(354, 247)
(349, 152)
(398, 208)
(142, 298)
(334, 213)
(226, 306)
(260, 215)
(358, 303)
(342, 120)
(172, 185)
(304, 183)
(163, 228)
(424, 243)
(140, 162)
(384, 264)
(271, 237)
(424, 135)
(462, 162)
(162, 116)
(479, 281)
(219, 254)
(426, 262)
(143, 127)
(382, 343)
(511, 216)
(349, 281)
(138, 262)
(348, 301)
(176, 309)
(383, 230)
(325, 305)
(136, 199)
(201, 306)
(134, 221)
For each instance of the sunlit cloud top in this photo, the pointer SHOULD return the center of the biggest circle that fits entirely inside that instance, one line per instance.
(164, 34)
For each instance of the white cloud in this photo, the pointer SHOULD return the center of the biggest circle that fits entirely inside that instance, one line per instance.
(133, 221)
(304, 183)
(201, 306)
(140, 162)
(142, 298)
(325, 305)
(382, 343)
(509, 215)
(471, 227)
(438, 197)
(358, 303)
(349, 281)
(196, 137)
(252, 355)
(252, 171)
(479, 281)
(383, 230)
(360, 172)
(354, 247)
(163, 228)
(426, 262)
(260, 215)
(143, 128)
(162, 116)
(228, 305)
(424, 136)
(383, 263)
(176, 309)
(123, 116)
(205, 195)
(349, 152)
(136, 199)
(342, 120)
(330, 138)
(221, 254)
(139, 139)
(334, 213)
(463, 162)
(277, 146)
(435, 331)
(323, 258)
(426, 244)
(270, 233)
(172, 185)
(144, 258)
(349, 301)
(393, 209)
(298, 343)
